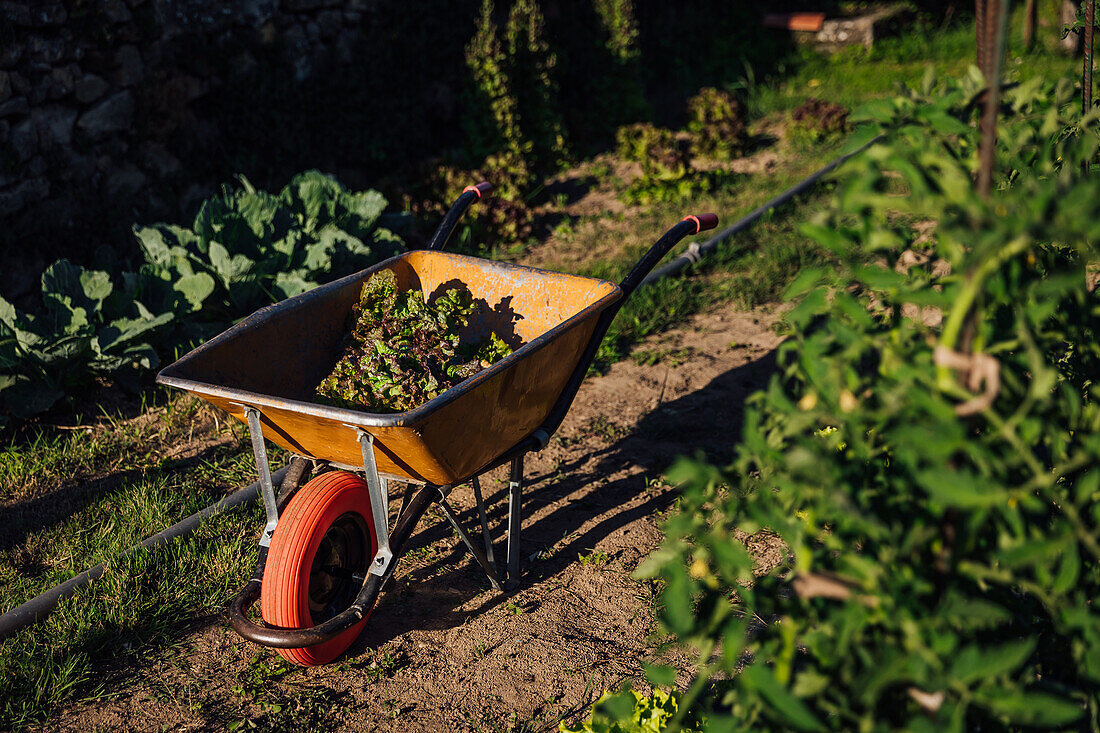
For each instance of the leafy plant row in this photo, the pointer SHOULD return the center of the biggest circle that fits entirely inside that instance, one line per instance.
(245, 249)
(927, 453)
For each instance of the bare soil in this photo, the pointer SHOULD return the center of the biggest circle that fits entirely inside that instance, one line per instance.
(442, 651)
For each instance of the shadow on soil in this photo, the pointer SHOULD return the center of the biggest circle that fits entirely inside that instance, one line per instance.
(427, 597)
(708, 420)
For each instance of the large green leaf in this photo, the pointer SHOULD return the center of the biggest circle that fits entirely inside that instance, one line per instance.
(1033, 708)
(781, 702)
(961, 489)
(977, 662)
(25, 397)
(195, 288)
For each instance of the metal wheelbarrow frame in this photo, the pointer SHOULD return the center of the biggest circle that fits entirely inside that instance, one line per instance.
(582, 331)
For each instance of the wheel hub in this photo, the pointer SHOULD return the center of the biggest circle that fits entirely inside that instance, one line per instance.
(338, 567)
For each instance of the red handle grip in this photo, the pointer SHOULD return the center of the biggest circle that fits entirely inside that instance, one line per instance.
(480, 189)
(703, 222)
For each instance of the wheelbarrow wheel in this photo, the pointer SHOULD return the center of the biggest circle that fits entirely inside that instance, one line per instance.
(320, 554)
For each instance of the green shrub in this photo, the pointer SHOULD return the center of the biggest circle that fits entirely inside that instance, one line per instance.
(622, 97)
(817, 121)
(928, 451)
(492, 122)
(259, 248)
(246, 249)
(88, 325)
(716, 121)
(621, 27)
(532, 69)
(502, 218)
(514, 93)
(631, 712)
(656, 148)
(667, 173)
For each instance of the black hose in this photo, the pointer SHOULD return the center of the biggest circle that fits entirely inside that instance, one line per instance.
(40, 606)
(697, 251)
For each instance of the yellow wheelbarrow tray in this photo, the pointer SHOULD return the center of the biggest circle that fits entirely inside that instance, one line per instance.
(263, 371)
(274, 359)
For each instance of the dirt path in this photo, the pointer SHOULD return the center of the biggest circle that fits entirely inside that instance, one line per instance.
(442, 651)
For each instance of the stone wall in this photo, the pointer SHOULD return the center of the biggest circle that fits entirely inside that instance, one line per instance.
(92, 92)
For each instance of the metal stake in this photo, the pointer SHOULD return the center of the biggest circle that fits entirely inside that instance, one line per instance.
(1086, 75)
(995, 19)
(267, 489)
(979, 32)
(515, 519)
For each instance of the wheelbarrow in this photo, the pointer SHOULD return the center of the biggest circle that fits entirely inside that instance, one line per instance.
(327, 549)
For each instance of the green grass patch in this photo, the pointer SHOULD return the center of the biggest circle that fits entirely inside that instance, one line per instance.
(143, 602)
(73, 500)
(856, 74)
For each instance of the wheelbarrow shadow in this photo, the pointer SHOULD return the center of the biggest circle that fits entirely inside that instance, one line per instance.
(437, 594)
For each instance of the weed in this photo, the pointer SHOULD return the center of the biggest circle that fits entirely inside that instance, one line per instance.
(563, 229)
(652, 357)
(255, 681)
(601, 427)
(280, 708)
(515, 609)
(382, 665)
(595, 558)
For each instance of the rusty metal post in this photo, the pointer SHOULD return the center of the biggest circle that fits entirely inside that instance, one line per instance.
(1086, 72)
(995, 21)
(1029, 24)
(979, 32)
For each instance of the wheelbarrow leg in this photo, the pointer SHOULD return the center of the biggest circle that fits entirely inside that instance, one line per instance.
(267, 489)
(474, 550)
(515, 519)
(476, 485)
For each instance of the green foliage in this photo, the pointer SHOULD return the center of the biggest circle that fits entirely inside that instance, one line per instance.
(515, 93)
(245, 249)
(1080, 22)
(501, 218)
(403, 350)
(87, 325)
(632, 712)
(817, 121)
(667, 173)
(248, 248)
(927, 452)
(621, 96)
(493, 123)
(532, 69)
(716, 121)
(621, 26)
(662, 156)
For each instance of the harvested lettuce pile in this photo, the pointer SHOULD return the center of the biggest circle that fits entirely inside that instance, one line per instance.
(402, 350)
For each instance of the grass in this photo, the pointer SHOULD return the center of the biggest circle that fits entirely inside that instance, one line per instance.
(116, 487)
(751, 269)
(857, 74)
(71, 499)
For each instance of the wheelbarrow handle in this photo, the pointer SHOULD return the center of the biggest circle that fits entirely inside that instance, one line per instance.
(537, 440)
(469, 195)
(691, 224)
